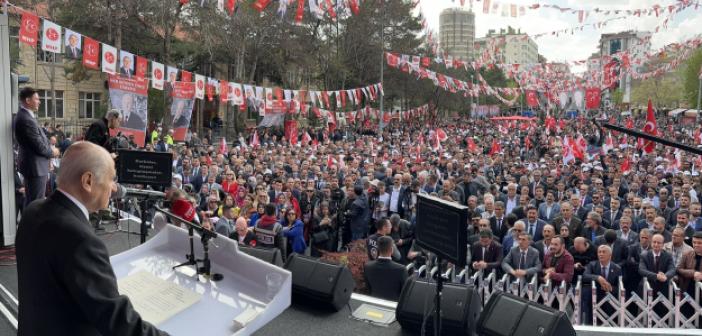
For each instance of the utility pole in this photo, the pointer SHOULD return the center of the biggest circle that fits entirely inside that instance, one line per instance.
(699, 95)
(7, 98)
(382, 65)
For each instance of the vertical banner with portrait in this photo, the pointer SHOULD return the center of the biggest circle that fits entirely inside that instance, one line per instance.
(130, 97)
(73, 46)
(182, 108)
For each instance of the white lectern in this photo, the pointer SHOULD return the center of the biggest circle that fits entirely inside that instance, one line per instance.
(244, 284)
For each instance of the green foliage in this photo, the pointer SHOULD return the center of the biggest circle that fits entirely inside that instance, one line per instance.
(664, 91)
(691, 79)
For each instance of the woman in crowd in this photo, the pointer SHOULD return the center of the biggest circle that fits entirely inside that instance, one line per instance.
(293, 230)
(229, 183)
(257, 215)
(323, 237)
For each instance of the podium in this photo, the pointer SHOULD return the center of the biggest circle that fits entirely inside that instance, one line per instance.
(244, 285)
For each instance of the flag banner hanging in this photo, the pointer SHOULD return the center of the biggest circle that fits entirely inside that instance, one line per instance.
(126, 64)
(157, 75)
(291, 131)
(199, 86)
(172, 75)
(29, 29)
(109, 59)
(72, 42)
(236, 94)
(186, 76)
(130, 97)
(142, 67)
(182, 108)
(592, 99)
(91, 52)
(250, 95)
(51, 37)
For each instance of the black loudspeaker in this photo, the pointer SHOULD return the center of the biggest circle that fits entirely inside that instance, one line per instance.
(510, 315)
(269, 255)
(460, 307)
(318, 283)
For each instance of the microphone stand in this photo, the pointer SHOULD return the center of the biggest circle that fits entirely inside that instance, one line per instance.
(205, 235)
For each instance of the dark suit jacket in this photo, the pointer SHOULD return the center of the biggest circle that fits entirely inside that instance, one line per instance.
(34, 147)
(582, 212)
(594, 270)
(620, 250)
(73, 53)
(538, 230)
(493, 256)
(503, 228)
(607, 216)
(587, 233)
(519, 211)
(385, 278)
(66, 283)
(539, 246)
(250, 236)
(126, 72)
(134, 122)
(646, 267)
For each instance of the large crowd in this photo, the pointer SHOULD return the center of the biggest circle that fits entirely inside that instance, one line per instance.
(615, 211)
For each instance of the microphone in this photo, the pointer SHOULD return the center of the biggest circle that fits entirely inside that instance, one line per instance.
(144, 193)
(120, 193)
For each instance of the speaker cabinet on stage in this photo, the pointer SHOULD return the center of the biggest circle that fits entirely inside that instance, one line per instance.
(319, 283)
(269, 255)
(510, 315)
(460, 307)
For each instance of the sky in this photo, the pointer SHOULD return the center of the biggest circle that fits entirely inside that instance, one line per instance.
(581, 44)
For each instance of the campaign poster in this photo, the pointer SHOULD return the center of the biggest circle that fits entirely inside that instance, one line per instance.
(182, 108)
(129, 96)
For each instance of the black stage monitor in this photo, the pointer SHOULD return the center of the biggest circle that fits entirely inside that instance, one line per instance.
(148, 168)
(442, 228)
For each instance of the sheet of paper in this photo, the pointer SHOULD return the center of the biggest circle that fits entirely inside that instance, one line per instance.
(156, 300)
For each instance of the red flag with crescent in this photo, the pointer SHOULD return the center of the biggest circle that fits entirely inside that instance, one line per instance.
(650, 128)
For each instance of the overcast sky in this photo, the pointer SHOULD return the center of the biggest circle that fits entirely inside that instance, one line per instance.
(581, 44)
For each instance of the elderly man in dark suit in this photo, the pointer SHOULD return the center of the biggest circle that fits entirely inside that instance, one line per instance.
(522, 261)
(619, 246)
(657, 266)
(567, 218)
(66, 282)
(632, 278)
(487, 254)
(605, 274)
(383, 276)
(34, 147)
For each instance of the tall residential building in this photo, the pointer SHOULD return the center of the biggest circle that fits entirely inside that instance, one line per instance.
(508, 46)
(457, 32)
(636, 43)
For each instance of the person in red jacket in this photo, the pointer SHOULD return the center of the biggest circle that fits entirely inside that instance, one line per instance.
(558, 263)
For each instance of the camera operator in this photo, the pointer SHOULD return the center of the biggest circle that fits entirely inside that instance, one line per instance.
(99, 133)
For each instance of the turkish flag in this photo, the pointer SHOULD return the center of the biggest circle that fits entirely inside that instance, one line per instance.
(495, 148)
(223, 91)
(471, 145)
(392, 60)
(91, 53)
(142, 65)
(626, 165)
(186, 76)
(592, 98)
(306, 138)
(651, 128)
(29, 29)
(441, 135)
(532, 99)
(629, 123)
(260, 5)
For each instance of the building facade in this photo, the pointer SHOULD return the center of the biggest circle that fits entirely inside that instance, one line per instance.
(457, 33)
(509, 46)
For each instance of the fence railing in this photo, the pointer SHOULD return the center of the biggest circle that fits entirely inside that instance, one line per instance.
(674, 309)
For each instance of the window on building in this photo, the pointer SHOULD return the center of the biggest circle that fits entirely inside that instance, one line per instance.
(49, 57)
(46, 109)
(88, 104)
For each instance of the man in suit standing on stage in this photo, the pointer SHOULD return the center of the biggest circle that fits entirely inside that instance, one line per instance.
(66, 282)
(34, 147)
(657, 266)
(385, 277)
(605, 274)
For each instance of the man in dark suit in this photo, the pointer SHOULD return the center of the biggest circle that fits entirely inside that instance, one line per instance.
(579, 210)
(72, 48)
(567, 218)
(126, 68)
(487, 254)
(498, 224)
(200, 179)
(605, 274)
(613, 215)
(534, 226)
(522, 261)
(34, 147)
(657, 266)
(242, 234)
(55, 234)
(625, 232)
(544, 245)
(619, 246)
(130, 113)
(632, 278)
(383, 276)
(550, 209)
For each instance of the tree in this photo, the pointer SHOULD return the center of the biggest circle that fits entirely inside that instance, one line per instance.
(691, 77)
(664, 91)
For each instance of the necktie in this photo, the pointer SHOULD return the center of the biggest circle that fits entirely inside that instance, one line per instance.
(499, 224)
(604, 272)
(483, 259)
(531, 229)
(522, 261)
(655, 263)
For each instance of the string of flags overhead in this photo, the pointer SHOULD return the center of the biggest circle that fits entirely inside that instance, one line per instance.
(320, 9)
(103, 57)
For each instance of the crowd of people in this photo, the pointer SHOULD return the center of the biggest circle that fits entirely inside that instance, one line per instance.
(534, 212)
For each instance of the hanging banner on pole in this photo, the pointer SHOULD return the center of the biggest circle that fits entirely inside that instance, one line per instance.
(129, 96)
(157, 75)
(182, 108)
(29, 30)
(109, 59)
(91, 51)
(51, 37)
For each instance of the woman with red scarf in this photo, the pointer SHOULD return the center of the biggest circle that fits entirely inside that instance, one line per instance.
(229, 183)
